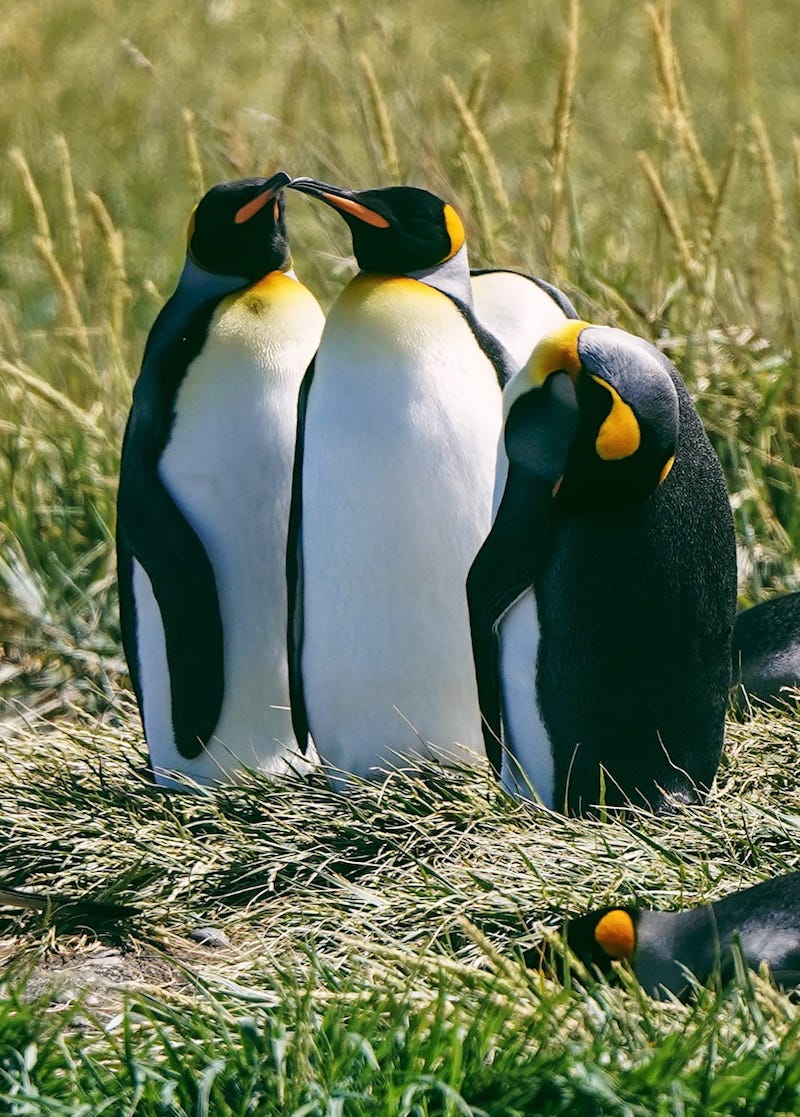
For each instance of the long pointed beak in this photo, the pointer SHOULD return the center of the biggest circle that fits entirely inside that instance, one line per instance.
(345, 201)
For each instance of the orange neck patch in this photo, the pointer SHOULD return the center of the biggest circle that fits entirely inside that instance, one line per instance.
(557, 352)
(616, 934)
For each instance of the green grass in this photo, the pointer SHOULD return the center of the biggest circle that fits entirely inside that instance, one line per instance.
(374, 955)
(375, 942)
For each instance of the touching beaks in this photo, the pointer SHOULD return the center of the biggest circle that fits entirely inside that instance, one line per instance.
(272, 186)
(343, 200)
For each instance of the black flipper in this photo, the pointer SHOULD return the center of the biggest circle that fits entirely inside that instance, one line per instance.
(538, 436)
(491, 346)
(294, 574)
(152, 530)
(510, 561)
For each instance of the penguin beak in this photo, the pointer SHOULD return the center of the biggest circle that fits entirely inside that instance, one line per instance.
(272, 186)
(345, 201)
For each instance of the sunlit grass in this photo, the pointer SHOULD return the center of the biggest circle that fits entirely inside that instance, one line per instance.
(644, 162)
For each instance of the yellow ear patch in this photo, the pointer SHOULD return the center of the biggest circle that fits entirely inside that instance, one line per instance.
(619, 436)
(616, 934)
(557, 352)
(455, 230)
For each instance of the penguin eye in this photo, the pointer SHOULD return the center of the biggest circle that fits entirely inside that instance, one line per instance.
(615, 934)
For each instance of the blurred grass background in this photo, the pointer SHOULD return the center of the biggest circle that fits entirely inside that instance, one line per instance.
(645, 159)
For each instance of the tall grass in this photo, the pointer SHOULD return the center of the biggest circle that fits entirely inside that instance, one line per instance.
(569, 159)
(644, 159)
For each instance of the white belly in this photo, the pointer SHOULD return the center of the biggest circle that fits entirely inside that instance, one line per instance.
(401, 433)
(527, 764)
(228, 466)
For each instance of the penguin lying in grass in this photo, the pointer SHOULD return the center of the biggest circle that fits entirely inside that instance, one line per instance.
(766, 650)
(204, 493)
(398, 424)
(609, 682)
(762, 922)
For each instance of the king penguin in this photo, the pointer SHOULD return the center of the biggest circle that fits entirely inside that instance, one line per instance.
(766, 650)
(762, 922)
(204, 493)
(615, 513)
(399, 420)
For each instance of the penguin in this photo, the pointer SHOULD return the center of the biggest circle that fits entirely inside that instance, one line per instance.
(612, 686)
(766, 650)
(204, 490)
(398, 425)
(661, 947)
(518, 309)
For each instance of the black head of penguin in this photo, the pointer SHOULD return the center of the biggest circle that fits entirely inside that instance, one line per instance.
(627, 429)
(239, 228)
(396, 229)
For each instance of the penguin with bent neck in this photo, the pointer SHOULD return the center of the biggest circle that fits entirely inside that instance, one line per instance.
(611, 686)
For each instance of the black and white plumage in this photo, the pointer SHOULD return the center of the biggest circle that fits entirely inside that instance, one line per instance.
(762, 923)
(611, 684)
(397, 437)
(204, 491)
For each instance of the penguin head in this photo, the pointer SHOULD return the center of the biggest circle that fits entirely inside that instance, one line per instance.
(603, 937)
(627, 429)
(239, 228)
(396, 230)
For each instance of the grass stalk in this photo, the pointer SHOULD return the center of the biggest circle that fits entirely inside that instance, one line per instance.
(383, 122)
(44, 248)
(475, 135)
(780, 239)
(562, 125)
(17, 157)
(193, 153)
(114, 242)
(674, 99)
(687, 262)
(72, 220)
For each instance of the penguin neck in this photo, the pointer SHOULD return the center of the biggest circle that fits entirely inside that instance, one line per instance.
(451, 278)
(198, 285)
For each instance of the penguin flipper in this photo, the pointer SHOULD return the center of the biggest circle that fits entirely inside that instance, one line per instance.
(510, 562)
(152, 531)
(294, 574)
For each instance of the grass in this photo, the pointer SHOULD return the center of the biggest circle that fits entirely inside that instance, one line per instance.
(644, 159)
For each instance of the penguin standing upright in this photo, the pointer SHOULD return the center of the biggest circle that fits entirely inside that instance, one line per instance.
(620, 691)
(204, 492)
(763, 922)
(397, 437)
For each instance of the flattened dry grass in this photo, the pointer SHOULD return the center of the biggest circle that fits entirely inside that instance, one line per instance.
(371, 958)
